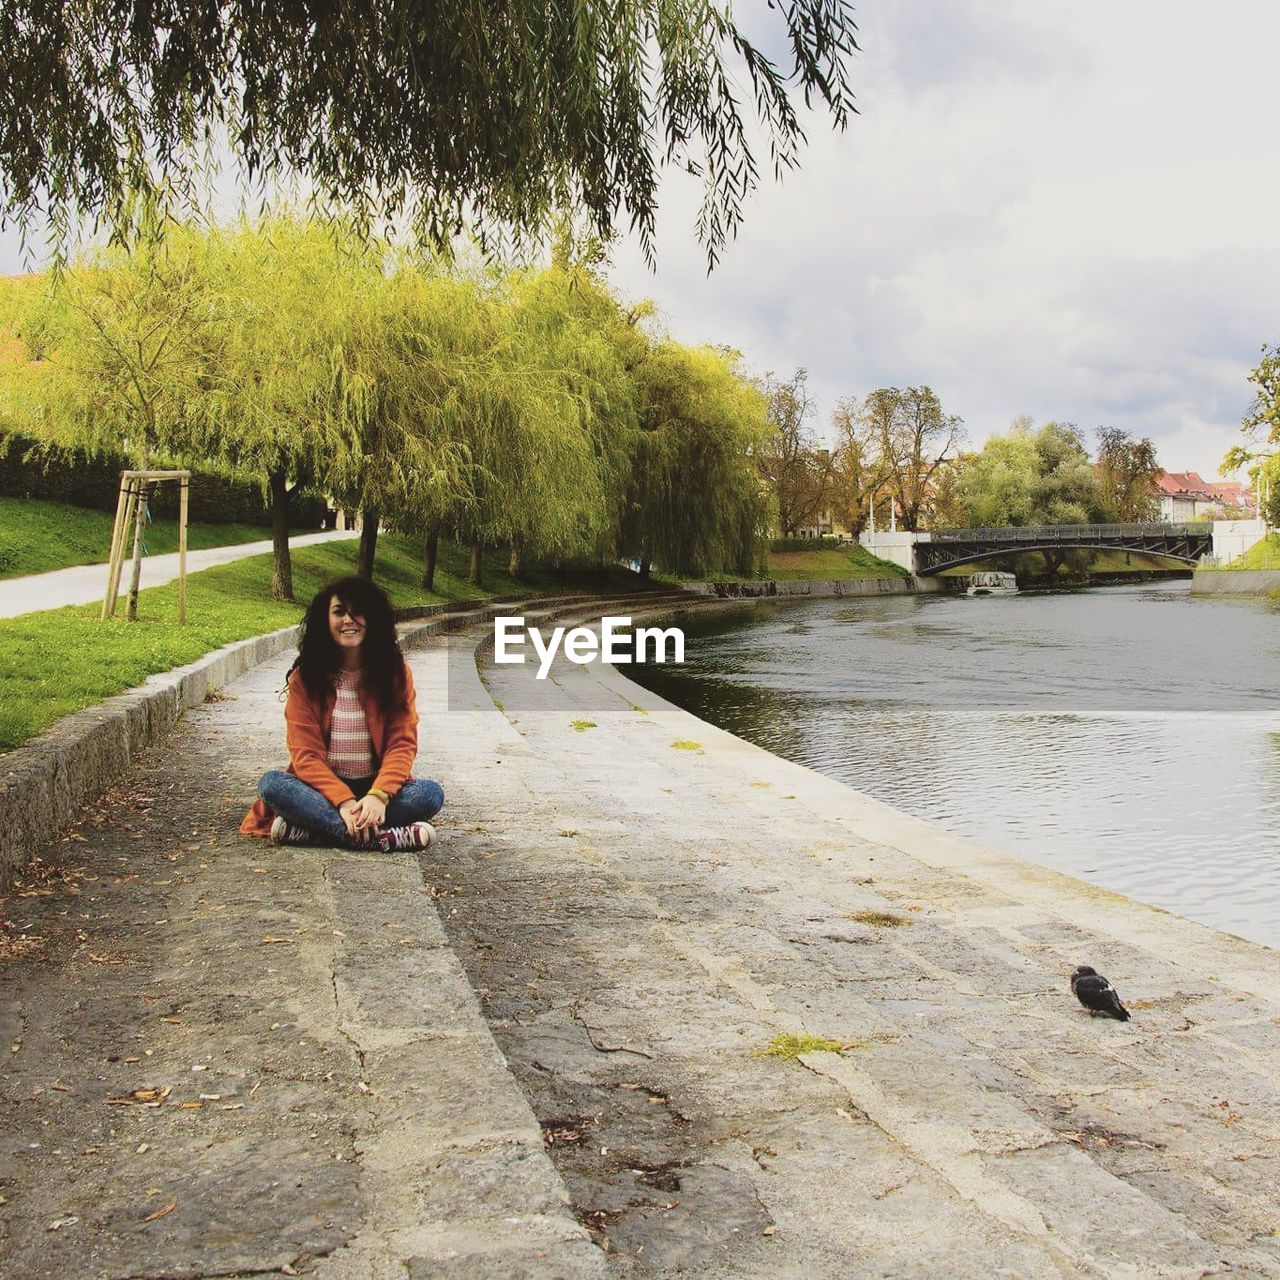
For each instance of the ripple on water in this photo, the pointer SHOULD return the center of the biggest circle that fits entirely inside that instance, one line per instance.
(1130, 735)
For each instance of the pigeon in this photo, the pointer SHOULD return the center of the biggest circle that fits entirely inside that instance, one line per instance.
(1097, 994)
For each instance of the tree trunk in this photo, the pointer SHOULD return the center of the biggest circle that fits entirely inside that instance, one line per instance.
(515, 566)
(429, 562)
(645, 566)
(368, 542)
(136, 578)
(282, 573)
(477, 550)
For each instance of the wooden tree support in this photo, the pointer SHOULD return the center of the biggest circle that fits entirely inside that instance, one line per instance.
(130, 509)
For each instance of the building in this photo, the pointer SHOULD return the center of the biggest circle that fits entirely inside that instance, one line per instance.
(1186, 495)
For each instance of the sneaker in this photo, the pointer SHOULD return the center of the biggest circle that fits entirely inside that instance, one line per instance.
(283, 833)
(417, 835)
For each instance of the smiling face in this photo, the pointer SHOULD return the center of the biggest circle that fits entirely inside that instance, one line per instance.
(347, 630)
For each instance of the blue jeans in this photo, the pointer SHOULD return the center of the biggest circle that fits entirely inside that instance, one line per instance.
(303, 806)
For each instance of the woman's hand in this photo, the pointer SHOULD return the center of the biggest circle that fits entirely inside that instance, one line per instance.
(351, 813)
(368, 814)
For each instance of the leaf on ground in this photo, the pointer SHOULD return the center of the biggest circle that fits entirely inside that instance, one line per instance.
(167, 1207)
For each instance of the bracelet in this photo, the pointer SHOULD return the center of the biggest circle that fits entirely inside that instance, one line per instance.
(380, 794)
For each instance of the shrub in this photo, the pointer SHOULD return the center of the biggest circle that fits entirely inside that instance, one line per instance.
(84, 480)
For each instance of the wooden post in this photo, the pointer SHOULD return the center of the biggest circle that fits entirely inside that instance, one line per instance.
(135, 579)
(117, 540)
(182, 550)
(131, 502)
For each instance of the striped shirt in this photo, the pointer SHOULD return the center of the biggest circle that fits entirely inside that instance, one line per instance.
(350, 749)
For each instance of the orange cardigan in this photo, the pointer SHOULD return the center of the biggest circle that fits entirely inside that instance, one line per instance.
(306, 734)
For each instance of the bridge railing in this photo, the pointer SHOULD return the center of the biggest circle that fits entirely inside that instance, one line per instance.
(1070, 532)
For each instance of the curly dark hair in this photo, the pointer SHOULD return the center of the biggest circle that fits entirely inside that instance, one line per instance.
(381, 662)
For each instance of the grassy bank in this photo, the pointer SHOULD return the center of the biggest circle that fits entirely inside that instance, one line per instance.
(849, 561)
(58, 661)
(37, 536)
(1264, 554)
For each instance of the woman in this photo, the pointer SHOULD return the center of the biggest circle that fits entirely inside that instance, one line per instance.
(351, 726)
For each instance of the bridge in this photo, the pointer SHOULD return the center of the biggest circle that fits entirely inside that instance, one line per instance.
(939, 549)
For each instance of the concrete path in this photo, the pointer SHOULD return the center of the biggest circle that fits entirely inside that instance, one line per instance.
(224, 1059)
(85, 583)
(645, 903)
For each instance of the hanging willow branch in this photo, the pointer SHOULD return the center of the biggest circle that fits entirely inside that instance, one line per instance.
(435, 115)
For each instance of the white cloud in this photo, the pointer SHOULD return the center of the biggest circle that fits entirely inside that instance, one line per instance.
(1065, 210)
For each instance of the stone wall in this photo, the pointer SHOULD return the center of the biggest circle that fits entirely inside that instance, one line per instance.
(816, 588)
(1235, 582)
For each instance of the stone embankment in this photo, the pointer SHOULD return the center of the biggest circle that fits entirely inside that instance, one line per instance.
(1235, 582)
(545, 1050)
(816, 588)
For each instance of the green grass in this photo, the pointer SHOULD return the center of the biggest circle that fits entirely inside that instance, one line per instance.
(36, 536)
(60, 660)
(1264, 554)
(851, 561)
(791, 1046)
(878, 919)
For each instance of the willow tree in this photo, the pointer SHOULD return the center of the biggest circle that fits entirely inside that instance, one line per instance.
(577, 334)
(421, 362)
(401, 110)
(694, 502)
(287, 296)
(125, 344)
(537, 486)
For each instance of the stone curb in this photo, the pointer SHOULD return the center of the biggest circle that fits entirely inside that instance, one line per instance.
(44, 783)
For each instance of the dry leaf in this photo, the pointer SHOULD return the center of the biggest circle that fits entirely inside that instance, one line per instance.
(165, 1208)
(142, 1098)
(268, 940)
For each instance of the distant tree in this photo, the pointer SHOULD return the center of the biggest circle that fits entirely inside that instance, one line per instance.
(434, 115)
(912, 438)
(946, 506)
(858, 472)
(797, 470)
(1261, 428)
(1128, 475)
(694, 503)
(1031, 476)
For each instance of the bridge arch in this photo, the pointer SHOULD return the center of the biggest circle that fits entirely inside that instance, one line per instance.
(1021, 549)
(950, 548)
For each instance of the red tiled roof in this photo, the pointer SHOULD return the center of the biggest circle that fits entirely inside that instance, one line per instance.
(1192, 485)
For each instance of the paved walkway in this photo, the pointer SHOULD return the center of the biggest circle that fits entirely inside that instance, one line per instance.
(85, 583)
(225, 1059)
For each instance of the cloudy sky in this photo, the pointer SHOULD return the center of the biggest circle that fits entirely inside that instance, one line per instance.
(1062, 209)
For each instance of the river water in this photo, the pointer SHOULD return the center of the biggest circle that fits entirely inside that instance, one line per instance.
(1125, 735)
